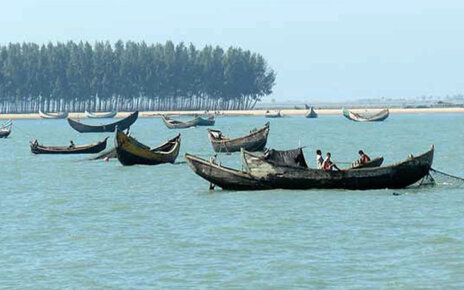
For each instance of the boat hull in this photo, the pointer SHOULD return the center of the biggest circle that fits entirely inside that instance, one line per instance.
(86, 149)
(268, 175)
(121, 125)
(255, 141)
(131, 152)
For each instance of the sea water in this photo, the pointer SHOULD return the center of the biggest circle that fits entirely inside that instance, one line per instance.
(66, 222)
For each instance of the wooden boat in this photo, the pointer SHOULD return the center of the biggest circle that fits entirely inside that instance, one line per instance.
(121, 125)
(206, 122)
(175, 124)
(255, 141)
(5, 129)
(380, 116)
(82, 149)
(62, 115)
(275, 114)
(129, 151)
(376, 162)
(100, 115)
(269, 175)
(311, 113)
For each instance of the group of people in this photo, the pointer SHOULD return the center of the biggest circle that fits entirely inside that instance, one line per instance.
(327, 165)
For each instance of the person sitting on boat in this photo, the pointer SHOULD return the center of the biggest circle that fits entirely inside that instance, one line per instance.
(319, 159)
(328, 165)
(364, 158)
(71, 144)
(35, 143)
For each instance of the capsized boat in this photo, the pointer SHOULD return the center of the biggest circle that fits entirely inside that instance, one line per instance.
(129, 151)
(121, 125)
(380, 116)
(100, 115)
(175, 124)
(61, 115)
(96, 147)
(255, 141)
(270, 175)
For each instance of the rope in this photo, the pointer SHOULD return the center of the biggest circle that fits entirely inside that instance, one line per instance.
(446, 174)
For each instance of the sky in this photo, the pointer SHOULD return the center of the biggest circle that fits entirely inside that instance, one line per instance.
(325, 50)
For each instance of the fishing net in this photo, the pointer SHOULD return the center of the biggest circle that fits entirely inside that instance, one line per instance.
(440, 178)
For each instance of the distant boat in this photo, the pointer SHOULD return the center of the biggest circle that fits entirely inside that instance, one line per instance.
(255, 141)
(62, 115)
(311, 113)
(81, 149)
(206, 122)
(121, 125)
(130, 151)
(275, 114)
(175, 124)
(380, 116)
(100, 115)
(5, 129)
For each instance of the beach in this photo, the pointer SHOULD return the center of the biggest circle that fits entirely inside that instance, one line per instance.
(285, 112)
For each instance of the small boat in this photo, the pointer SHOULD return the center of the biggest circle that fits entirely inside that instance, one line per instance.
(100, 115)
(255, 141)
(376, 162)
(275, 114)
(206, 122)
(380, 116)
(96, 147)
(62, 115)
(270, 175)
(5, 129)
(121, 125)
(130, 151)
(311, 113)
(175, 124)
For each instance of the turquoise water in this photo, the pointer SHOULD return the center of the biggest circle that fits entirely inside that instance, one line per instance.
(66, 222)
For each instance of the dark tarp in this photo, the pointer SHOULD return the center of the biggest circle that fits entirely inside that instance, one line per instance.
(293, 157)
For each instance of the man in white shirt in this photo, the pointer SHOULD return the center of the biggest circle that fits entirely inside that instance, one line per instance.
(319, 159)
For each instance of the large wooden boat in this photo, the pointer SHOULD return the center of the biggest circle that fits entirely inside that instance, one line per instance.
(206, 122)
(311, 113)
(175, 124)
(121, 125)
(62, 115)
(5, 129)
(255, 141)
(270, 175)
(100, 115)
(380, 116)
(77, 149)
(275, 114)
(129, 151)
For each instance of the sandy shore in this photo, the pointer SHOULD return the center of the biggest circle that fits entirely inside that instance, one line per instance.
(290, 112)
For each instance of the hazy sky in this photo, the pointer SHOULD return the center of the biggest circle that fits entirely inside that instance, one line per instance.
(321, 50)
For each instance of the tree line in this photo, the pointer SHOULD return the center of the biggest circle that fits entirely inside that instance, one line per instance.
(128, 76)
